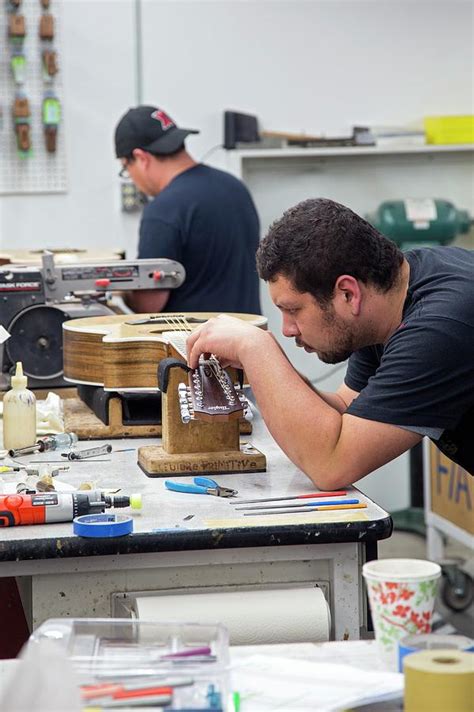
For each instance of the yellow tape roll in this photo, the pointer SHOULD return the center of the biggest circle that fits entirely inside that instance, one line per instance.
(439, 681)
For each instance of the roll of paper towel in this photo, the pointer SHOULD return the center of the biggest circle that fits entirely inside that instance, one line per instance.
(283, 615)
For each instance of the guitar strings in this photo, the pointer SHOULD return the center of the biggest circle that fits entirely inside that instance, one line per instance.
(180, 323)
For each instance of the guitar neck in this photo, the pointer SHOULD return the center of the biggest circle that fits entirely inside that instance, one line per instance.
(177, 339)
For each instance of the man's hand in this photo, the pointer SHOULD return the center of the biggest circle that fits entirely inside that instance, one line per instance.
(226, 337)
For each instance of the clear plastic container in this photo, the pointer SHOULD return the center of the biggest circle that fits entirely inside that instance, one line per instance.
(191, 658)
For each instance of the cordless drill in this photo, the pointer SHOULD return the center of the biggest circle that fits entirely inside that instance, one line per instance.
(49, 507)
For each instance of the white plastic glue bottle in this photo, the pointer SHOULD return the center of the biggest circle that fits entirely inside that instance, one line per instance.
(19, 413)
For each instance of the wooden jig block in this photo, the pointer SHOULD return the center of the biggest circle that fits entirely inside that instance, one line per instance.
(211, 445)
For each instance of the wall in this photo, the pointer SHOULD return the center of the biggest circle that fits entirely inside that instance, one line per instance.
(316, 65)
(98, 77)
(307, 64)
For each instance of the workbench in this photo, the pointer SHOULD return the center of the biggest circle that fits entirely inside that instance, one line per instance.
(184, 541)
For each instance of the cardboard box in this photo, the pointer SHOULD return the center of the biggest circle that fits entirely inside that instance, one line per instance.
(452, 491)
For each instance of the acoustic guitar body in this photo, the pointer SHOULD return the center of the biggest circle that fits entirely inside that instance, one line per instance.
(121, 353)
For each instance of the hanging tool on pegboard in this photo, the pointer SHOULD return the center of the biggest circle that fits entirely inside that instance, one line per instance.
(51, 115)
(21, 122)
(46, 27)
(50, 64)
(18, 66)
(49, 58)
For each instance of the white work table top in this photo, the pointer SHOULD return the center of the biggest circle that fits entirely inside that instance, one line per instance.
(172, 521)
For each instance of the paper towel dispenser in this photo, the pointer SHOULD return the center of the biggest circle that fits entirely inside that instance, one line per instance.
(253, 615)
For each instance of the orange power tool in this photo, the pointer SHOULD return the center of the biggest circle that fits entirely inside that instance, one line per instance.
(50, 507)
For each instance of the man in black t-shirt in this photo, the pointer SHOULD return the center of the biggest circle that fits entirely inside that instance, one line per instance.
(202, 217)
(404, 321)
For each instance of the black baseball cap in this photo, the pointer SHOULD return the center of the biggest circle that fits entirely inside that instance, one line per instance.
(148, 128)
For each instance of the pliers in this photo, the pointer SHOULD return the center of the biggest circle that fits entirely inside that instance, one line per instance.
(202, 485)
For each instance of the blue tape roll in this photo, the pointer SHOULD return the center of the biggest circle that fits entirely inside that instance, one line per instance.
(432, 641)
(102, 525)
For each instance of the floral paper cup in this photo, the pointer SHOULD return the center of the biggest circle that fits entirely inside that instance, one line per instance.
(401, 595)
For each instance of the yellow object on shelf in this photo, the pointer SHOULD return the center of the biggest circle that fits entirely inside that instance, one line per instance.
(449, 129)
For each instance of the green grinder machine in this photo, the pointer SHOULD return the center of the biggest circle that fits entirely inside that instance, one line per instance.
(421, 222)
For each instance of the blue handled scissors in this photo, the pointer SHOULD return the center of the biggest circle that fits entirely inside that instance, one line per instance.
(202, 485)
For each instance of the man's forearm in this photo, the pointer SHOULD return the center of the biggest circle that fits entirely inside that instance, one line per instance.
(332, 399)
(148, 300)
(331, 448)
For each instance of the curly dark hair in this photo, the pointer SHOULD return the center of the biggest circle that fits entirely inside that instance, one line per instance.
(318, 240)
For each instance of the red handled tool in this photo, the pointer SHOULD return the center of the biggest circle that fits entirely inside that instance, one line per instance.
(49, 507)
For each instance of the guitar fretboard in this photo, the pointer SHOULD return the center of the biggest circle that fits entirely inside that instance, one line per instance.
(177, 339)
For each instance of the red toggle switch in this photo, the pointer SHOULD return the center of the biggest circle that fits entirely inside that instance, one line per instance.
(158, 275)
(104, 283)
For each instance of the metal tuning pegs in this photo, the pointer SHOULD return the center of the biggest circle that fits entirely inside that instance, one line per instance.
(185, 405)
(248, 412)
(211, 395)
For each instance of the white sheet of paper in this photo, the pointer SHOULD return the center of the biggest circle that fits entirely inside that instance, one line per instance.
(268, 684)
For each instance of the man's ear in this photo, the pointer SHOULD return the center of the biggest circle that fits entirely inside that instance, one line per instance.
(348, 295)
(140, 155)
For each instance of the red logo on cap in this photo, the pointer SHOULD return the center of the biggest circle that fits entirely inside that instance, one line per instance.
(163, 118)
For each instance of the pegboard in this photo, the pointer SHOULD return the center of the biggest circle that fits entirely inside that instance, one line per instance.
(40, 172)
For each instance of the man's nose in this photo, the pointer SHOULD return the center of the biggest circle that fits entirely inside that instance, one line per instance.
(289, 327)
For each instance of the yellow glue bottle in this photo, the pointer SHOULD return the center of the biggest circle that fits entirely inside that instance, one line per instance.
(19, 413)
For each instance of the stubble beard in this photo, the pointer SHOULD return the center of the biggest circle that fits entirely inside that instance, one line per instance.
(344, 343)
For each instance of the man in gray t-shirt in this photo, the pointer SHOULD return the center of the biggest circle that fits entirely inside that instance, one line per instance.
(404, 321)
(422, 378)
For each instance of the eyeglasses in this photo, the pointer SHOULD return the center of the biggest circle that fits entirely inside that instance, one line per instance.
(123, 173)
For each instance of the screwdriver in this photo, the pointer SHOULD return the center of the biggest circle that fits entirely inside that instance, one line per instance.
(88, 452)
(49, 442)
(32, 471)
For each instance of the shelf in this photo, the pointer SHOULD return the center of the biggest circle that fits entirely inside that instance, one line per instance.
(347, 151)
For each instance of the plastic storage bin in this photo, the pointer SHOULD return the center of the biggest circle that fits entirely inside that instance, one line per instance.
(449, 129)
(127, 653)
